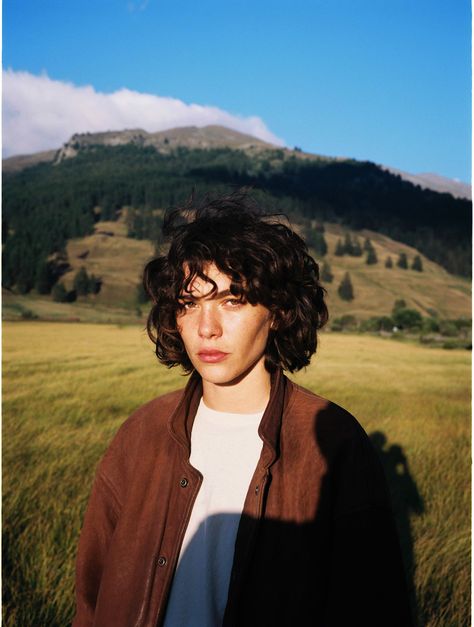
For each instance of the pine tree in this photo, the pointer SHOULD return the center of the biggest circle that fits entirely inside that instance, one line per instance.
(340, 250)
(348, 246)
(320, 246)
(371, 257)
(417, 264)
(345, 289)
(389, 262)
(326, 274)
(315, 239)
(367, 244)
(356, 248)
(402, 261)
(59, 293)
(94, 284)
(82, 282)
(44, 278)
(142, 296)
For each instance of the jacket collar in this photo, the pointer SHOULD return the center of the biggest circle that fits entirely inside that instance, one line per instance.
(182, 419)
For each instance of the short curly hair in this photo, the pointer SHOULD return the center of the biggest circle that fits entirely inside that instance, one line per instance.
(267, 262)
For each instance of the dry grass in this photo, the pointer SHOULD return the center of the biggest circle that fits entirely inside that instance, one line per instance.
(119, 261)
(67, 388)
(376, 288)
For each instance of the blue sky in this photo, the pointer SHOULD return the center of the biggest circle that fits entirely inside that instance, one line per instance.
(387, 81)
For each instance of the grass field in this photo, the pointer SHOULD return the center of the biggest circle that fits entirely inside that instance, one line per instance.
(67, 388)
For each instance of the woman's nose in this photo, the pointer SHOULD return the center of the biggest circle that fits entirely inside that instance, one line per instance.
(209, 323)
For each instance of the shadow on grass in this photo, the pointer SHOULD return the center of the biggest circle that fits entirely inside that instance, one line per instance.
(406, 501)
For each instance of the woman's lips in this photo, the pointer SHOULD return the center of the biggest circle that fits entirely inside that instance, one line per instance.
(212, 357)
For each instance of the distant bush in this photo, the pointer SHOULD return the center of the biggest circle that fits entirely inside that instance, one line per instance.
(344, 323)
(377, 323)
(389, 262)
(430, 325)
(59, 293)
(407, 318)
(27, 314)
(398, 304)
(448, 328)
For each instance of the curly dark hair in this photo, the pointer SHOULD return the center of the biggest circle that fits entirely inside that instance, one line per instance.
(267, 262)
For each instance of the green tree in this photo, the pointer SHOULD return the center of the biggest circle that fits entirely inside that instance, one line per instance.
(389, 262)
(340, 250)
(59, 293)
(345, 289)
(142, 296)
(402, 261)
(94, 284)
(407, 318)
(326, 274)
(44, 278)
(367, 244)
(348, 246)
(398, 304)
(356, 248)
(417, 264)
(315, 239)
(82, 282)
(371, 257)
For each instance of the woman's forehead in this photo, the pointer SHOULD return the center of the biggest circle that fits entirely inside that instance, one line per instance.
(212, 279)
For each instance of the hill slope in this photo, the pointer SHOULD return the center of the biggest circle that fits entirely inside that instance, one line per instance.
(118, 260)
(97, 176)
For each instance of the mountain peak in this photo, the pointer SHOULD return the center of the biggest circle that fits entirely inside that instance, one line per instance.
(212, 136)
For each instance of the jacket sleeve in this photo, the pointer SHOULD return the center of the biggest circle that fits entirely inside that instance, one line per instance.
(367, 579)
(100, 519)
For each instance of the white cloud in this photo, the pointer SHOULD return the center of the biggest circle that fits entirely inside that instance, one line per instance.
(41, 114)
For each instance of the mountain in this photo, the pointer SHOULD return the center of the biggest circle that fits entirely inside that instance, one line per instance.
(441, 184)
(133, 176)
(207, 137)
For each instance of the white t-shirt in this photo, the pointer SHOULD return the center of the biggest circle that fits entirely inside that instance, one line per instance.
(225, 448)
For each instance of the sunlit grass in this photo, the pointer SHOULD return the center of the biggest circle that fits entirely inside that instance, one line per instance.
(67, 388)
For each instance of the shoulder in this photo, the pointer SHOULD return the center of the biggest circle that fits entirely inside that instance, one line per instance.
(337, 436)
(310, 408)
(328, 424)
(146, 426)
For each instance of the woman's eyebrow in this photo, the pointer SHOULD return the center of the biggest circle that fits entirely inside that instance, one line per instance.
(213, 296)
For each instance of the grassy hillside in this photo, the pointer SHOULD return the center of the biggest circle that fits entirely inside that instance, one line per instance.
(68, 387)
(376, 287)
(119, 261)
(113, 257)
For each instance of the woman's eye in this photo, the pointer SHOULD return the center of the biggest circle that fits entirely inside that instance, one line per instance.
(233, 302)
(188, 304)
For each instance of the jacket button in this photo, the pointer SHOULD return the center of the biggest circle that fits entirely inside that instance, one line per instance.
(257, 488)
(162, 561)
(184, 482)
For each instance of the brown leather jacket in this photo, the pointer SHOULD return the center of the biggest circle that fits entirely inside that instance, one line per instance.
(316, 543)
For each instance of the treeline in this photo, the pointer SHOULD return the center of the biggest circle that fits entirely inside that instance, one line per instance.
(47, 204)
(404, 321)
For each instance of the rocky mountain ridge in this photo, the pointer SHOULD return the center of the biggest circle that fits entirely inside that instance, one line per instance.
(208, 137)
